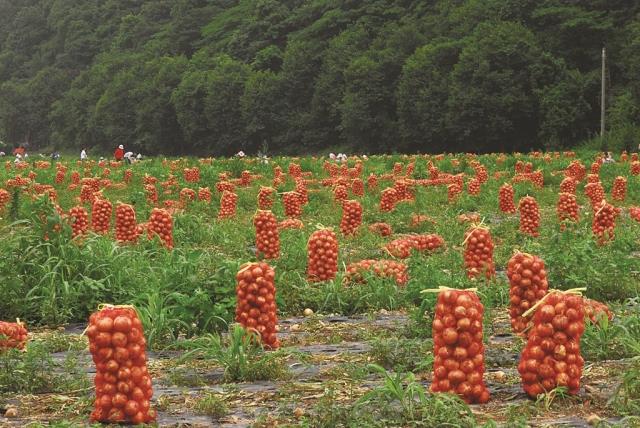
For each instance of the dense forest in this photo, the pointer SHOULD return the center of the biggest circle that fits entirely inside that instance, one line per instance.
(217, 76)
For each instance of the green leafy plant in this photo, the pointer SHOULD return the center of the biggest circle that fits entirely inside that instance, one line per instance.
(626, 397)
(34, 371)
(548, 399)
(211, 405)
(402, 400)
(402, 355)
(241, 355)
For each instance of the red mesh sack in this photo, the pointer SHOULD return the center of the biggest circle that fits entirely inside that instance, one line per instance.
(552, 357)
(267, 237)
(322, 252)
(292, 204)
(382, 229)
(458, 366)
(527, 285)
(594, 310)
(529, 216)
(123, 383)
(351, 217)
(12, 335)
(380, 268)
(505, 199)
(256, 301)
(478, 253)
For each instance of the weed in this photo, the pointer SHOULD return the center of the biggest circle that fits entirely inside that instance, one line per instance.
(352, 370)
(14, 208)
(402, 401)
(211, 405)
(34, 371)
(60, 424)
(61, 342)
(626, 398)
(517, 415)
(242, 356)
(547, 400)
(185, 377)
(401, 355)
(601, 340)
(606, 340)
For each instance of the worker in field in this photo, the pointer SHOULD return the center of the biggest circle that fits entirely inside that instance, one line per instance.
(19, 151)
(609, 158)
(129, 157)
(119, 153)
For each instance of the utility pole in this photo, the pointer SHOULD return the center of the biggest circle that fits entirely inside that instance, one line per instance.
(602, 94)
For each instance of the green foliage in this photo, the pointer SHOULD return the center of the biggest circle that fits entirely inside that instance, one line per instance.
(211, 405)
(402, 355)
(626, 398)
(241, 355)
(35, 372)
(61, 342)
(616, 339)
(399, 401)
(61, 281)
(178, 77)
(333, 296)
(625, 129)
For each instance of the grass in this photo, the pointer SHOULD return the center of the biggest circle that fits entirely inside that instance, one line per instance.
(626, 399)
(241, 356)
(61, 342)
(399, 401)
(186, 297)
(34, 372)
(615, 339)
(402, 355)
(211, 405)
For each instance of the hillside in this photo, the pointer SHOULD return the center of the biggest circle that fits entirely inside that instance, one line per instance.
(197, 76)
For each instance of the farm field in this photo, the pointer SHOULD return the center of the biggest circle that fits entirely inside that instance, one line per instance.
(356, 349)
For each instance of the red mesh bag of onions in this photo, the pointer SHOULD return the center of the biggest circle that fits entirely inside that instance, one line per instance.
(13, 335)
(458, 366)
(552, 357)
(123, 384)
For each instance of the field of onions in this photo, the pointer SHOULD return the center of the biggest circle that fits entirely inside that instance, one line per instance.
(427, 290)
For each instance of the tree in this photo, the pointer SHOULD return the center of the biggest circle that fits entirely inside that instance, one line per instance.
(573, 32)
(13, 113)
(492, 105)
(563, 110)
(207, 105)
(299, 69)
(329, 86)
(624, 123)
(367, 108)
(263, 110)
(423, 93)
(157, 127)
(186, 76)
(187, 17)
(113, 120)
(42, 91)
(223, 104)
(188, 101)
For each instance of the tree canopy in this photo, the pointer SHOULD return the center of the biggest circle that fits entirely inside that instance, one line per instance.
(217, 76)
